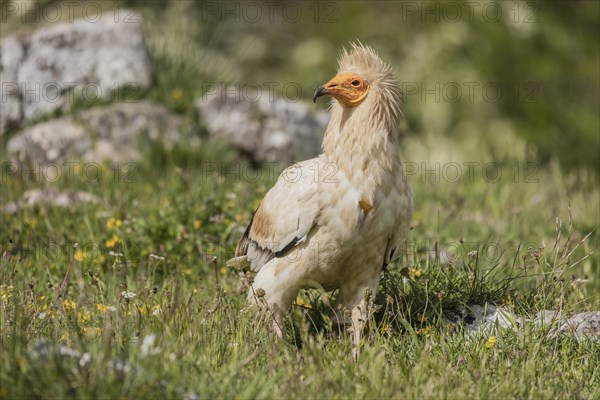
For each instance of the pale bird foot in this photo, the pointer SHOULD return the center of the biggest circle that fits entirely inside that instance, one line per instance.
(278, 327)
(355, 354)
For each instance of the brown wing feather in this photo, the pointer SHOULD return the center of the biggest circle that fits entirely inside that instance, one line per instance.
(287, 213)
(262, 230)
(242, 246)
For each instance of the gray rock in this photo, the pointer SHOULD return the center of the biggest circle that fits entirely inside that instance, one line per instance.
(11, 55)
(113, 133)
(48, 142)
(119, 131)
(268, 130)
(46, 70)
(584, 325)
(490, 319)
(51, 197)
(581, 325)
(45, 352)
(487, 317)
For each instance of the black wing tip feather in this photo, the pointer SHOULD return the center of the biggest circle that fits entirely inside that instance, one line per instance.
(287, 247)
(242, 246)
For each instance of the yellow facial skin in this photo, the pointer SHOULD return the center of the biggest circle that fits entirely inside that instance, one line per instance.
(348, 89)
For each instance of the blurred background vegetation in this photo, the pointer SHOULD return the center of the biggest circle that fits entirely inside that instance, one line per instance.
(513, 84)
(492, 80)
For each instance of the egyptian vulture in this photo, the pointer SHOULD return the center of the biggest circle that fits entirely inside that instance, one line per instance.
(335, 221)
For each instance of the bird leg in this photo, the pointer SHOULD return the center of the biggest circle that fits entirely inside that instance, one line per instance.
(273, 291)
(358, 324)
(360, 314)
(359, 304)
(278, 324)
(269, 311)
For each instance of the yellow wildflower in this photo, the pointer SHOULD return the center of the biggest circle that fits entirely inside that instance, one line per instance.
(45, 311)
(424, 331)
(84, 317)
(300, 302)
(112, 242)
(143, 309)
(414, 272)
(156, 310)
(147, 309)
(223, 270)
(385, 329)
(79, 255)
(197, 224)
(69, 305)
(112, 223)
(177, 94)
(491, 342)
(91, 332)
(103, 308)
(6, 292)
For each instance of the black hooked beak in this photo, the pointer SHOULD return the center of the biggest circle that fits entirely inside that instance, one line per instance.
(321, 90)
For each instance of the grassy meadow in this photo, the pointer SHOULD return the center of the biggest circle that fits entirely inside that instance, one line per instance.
(136, 289)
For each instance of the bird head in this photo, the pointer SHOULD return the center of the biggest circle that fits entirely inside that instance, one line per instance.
(362, 77)
(349, 89)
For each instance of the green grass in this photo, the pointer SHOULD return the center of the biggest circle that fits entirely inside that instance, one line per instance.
(209, 343)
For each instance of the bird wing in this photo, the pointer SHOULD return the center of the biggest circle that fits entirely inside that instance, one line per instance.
(284, 217)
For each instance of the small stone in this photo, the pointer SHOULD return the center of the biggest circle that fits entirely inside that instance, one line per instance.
(116, 133)
(266, 129)
(44, 71)
(50, 196)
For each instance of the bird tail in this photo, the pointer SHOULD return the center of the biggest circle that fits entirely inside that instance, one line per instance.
(239, 263)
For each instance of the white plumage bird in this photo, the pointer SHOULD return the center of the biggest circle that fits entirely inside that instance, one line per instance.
(335, 221)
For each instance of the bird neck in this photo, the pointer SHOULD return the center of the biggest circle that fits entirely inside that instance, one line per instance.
(362, 143)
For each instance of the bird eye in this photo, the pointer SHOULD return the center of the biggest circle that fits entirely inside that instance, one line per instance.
(355, 82)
